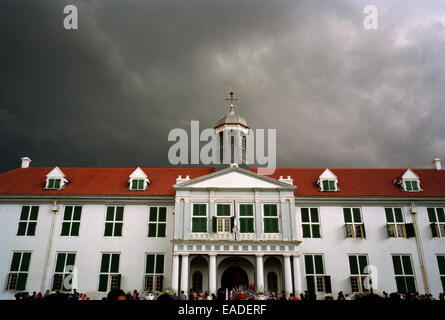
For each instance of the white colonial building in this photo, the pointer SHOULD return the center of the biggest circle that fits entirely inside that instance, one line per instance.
(321, 230)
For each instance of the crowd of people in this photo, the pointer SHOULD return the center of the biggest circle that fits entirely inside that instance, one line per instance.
(223, 295)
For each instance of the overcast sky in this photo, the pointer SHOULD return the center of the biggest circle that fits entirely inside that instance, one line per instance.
(108, 93)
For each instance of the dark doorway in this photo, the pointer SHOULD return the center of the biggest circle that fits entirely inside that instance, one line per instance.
(234, 277)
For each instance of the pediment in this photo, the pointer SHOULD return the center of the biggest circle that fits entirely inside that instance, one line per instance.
(234, 178)
(55, 173)
(409, 174)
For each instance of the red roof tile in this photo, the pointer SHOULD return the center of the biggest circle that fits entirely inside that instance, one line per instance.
(95, 181)
(364, 182)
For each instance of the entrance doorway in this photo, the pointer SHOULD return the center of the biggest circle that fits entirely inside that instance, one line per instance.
(234, 277)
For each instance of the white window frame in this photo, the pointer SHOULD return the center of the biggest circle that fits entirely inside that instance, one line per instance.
(278, 217)
(438, 223)
(316, 276)
(109, 273)
(114, 221)
(246, 217)
(157, 222)
(310, 223)
(206, 216)
(64, 272)
(223, 220)
(360, 276)
(355, 224)
(155, 275)
(396, 225)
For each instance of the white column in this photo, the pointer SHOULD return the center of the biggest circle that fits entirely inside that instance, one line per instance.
(259, 273)
(287, 275)
(212, 273)
(297, 275)
(175, 273)
(185, 274)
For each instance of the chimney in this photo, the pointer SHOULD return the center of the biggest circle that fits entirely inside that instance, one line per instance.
(437, 164)
(288, 180)
(25, 162)
(180, 179)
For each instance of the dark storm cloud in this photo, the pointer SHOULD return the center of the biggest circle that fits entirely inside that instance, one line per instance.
(109, 93)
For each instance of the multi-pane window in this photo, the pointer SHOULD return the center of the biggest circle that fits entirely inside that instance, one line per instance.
(441, 264)
(357, 265)
(109, 277)
(246, 218)
(71, 221)
(18, 271)
(199, 218)
(395, 225)
(54, 184)
(270, 218)
(157, 222)
(137, 184)
(404, 273)
(114, 222)
(28, 221)
(437, 221)
(317, 280)
(411, 185)
(154, 272)
(354, 227)
(310, 222)
(329, 185)
(64, 267)
(223, 219)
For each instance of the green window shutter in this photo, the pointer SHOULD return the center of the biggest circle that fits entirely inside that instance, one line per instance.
(363, 262)
(141, 184)
(160, 263)
(150, 266)
(232, 222)
(314, 214)
(70, 259)
(195, 209)
(356, 214)
(152, 230)
(267, 210)
(21, 231)
(195, 226)
(68, 213)
(25, 213)
(441, 263)
(21, 281)
(305, 215)
(440, 214)
(119, 213)
(327, 283)
(103, 283)
(407, 268)
(347, 215)
(219, 210)
(306, 230)
(310, 284)
(364, 230)
(202, 209)
(415, 187)
(434, 232)
(399, 215)
(34, 213)
(242, 210)
(114, 263)
(242, 225)
(31, 229)
(408, 185)
(54, 282)
(325, 185)
(410, 233)
(110, 214)
(389, 215)
(161, 230)
(65, 228)
(153, 214)
(331, 185)
(353, 266)
(401, 286)
(77, 213)
(162, 216)
(309, 264)
(75, 228)
(214, 224)
(105, 263)
(410, 284)
(318, 264)
(250, 225)
(432, 214)
(134, 184)
(25, 261)
(108, 229)
(118, 229)
(316, 231)
(60, 264)
(274, 210)
(266, 225)
(50, 183)
(15, 263)
(397, 264)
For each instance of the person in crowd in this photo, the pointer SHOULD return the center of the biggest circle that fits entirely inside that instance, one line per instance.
(116, 294)
(341, 296)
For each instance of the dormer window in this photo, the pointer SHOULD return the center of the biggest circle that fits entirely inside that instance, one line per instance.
(327, 181)
(55, 180)
(138, 180)
(409, 182)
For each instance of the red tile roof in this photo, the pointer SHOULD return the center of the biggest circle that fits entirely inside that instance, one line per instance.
(364, 182)
(114, 181)
(95, 181)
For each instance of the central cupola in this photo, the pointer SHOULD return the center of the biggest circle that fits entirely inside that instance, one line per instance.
(232, 130)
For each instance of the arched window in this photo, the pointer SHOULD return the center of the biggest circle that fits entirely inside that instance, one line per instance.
(197, 281)
(272, 281)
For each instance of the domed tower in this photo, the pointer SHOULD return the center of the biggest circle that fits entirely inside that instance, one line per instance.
(232, 130)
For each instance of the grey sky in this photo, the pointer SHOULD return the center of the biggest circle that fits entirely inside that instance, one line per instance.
(109, 93)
